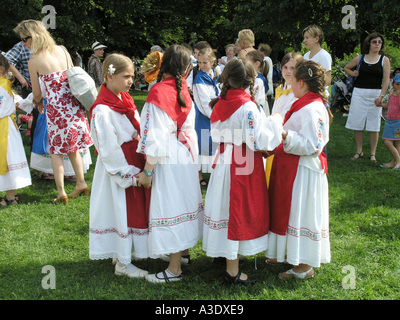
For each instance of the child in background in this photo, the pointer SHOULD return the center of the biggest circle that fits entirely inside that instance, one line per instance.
(391, 132)
(284, 96)
(118, 209)
(205, 89)
(266, 51)
(261, 84)
(237, 205)
(14, 170)
(299, 225)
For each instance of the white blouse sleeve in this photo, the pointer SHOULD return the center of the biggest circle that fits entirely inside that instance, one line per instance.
(262, 133)
(311, 138)
(158, 132)
(202, 95)
(105, 138)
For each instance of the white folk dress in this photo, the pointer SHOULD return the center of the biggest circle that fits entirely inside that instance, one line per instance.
(284, 98)
(307, 237)
(176, 205)
(109, 235)
(249, 126)
(17, 175)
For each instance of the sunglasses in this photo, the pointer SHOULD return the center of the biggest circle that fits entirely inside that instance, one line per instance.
(376, 41)
(25, 39)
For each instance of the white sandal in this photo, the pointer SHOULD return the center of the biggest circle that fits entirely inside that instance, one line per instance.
(129, 270)
(298, 275)
(164, 276)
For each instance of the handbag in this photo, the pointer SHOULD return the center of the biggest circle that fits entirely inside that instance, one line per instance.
(82, 85)
(351, 80)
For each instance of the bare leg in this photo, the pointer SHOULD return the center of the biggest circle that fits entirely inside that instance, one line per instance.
(373, 139)
(232, 267)
(359, 138)
(57, 162)
(76, 161)
(175, 263)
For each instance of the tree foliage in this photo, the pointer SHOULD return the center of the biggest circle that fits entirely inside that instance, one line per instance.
(133, 26)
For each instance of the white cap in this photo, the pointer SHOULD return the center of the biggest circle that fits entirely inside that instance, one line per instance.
(97, 45)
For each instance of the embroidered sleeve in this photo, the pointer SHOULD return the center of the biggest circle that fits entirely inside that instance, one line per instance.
(309, 141)
(262, 133)
(158, 132)
(111, 155)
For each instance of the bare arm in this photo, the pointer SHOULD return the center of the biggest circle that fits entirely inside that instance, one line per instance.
(385, 81)
(351, 65)
(37, 93)
(19, 76)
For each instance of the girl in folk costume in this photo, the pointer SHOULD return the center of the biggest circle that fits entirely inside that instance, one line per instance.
(261, 84)
(237, 206)
(299, 226)
(204, 90)
(118, 209)
(284, 96)
(169, 142)
(14, 170)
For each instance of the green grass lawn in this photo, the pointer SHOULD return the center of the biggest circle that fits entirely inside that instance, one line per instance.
(364, 233)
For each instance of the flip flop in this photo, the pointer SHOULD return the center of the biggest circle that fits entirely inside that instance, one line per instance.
(396, 168)
(385, 165)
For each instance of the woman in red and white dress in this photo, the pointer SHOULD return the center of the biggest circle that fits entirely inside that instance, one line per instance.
(67, 124)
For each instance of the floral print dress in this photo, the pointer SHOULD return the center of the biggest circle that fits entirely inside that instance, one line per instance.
(67, 124)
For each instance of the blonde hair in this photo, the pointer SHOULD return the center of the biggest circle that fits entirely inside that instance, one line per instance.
(41, 38)
(209, 54)
(118, 61)
(247, 36)
(315, 31)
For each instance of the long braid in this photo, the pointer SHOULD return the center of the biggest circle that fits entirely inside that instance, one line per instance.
(178, 82)
(253, 94)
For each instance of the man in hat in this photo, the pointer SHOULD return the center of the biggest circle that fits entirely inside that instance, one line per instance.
(94, 64)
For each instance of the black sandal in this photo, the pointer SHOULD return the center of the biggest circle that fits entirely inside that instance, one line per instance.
(358, 155)
(8, 202)
(372, 155)
(203, 183)
(236, 280)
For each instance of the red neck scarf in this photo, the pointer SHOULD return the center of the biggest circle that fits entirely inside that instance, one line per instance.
(164, 95)
(283, 173)
(125, 106)
(227, 106)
